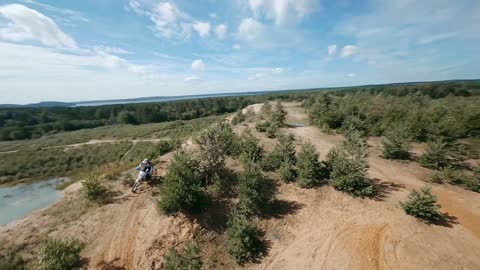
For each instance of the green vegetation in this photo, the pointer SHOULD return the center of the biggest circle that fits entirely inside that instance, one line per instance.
(93, 190)
(287, 171)
(273, 120)
(189, 258)
(242, 239)
(212, 153)
(284, 149)
(238, 118)
(256, 191)
(48, 156)
(457, 177)
(396, 144)
(182, 188)
(422, 205)
(12, 261)
(308, 166)
(249, 147)
(60, 254)
(349, 164)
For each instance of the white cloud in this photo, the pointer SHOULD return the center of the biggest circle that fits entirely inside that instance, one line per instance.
(169, 20)
(351, 75)
(112, 50)
(67, 14)
(191, 78)
(283, 11)
(250, 29)
(26, 24)
(348, 50)
(236, 46)
(221, 31)
(202, 28)
(332, 50)
(198, 65)
(265, 73)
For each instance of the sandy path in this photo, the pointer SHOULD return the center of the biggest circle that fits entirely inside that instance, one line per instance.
(335, 231)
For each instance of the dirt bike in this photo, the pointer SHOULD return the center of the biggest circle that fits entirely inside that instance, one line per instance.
(142, 176)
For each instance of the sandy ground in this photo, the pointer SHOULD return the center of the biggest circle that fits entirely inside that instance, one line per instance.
(312, 229)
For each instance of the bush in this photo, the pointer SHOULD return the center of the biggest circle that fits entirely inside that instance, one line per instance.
(212, 154)
(60, 254)
(12, 261)
(284, 149)
(349, 165)
(266, 110)
(162, 148)
(230, 139)
(308, 167)
(279, 115)
(182, 187)
(396, 144)
(437, 155)
(262, 126)
(422, 205)
(287, 171)
(256, 191)
(250, 147)
(189, 259)
(272, 131)
(238, 118)
(242, 239)
(93, 189)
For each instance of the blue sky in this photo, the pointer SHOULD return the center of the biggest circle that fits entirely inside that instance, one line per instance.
(103, 49)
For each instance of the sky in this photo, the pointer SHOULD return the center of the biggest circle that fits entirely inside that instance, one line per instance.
(67, 50)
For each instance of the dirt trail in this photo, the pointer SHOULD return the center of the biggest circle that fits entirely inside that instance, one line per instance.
(92, 142)
(332, 230)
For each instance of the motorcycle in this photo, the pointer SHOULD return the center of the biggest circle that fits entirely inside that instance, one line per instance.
(142, 176)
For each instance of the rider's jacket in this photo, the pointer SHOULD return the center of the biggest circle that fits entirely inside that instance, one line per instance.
(148, 168)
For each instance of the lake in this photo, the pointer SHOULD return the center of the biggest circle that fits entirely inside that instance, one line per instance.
(21, 200)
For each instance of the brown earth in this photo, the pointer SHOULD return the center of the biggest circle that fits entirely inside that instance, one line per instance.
(308, 229)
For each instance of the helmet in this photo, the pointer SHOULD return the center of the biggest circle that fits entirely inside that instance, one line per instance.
(145, 161)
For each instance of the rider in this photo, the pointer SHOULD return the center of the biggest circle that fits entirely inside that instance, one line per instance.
(146, 166)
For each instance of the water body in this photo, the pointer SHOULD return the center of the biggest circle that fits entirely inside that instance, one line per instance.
(21, 200)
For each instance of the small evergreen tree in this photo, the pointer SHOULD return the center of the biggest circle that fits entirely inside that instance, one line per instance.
(437, 155)
(266, 110)
(287, 171)
(238, 118)
(308, 166)
(422, 205)
(182, 187)
(271, 131)
(243, 241)
(396, 144)
(189, 259)
(349, 166)
(279, 115)
(256, 191)
(211, 143)
(249, 146)
(284, 149)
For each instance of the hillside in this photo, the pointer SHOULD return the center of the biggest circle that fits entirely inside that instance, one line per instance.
(316, 228)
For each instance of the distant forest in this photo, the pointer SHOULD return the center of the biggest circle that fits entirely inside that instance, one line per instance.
(28, 123)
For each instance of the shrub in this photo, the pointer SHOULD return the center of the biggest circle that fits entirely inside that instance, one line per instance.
(262, 126)
(60, 254)
(308, 166)
(284, 149)
(349, 165)
(182, 187)
(272, 131)
(436, 156)
(12, 261)
(422, 205)
(238, 118)
(93, 189)
(242, 239)
(250, 147)
(287, 171)
(162, 148)
(212, 153)
(189, 259)
(396, 144)
(256, 191)
(266, 110)
(230, 140)
(279, 115)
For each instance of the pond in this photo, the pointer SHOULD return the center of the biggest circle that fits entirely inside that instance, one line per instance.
(21, 200)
